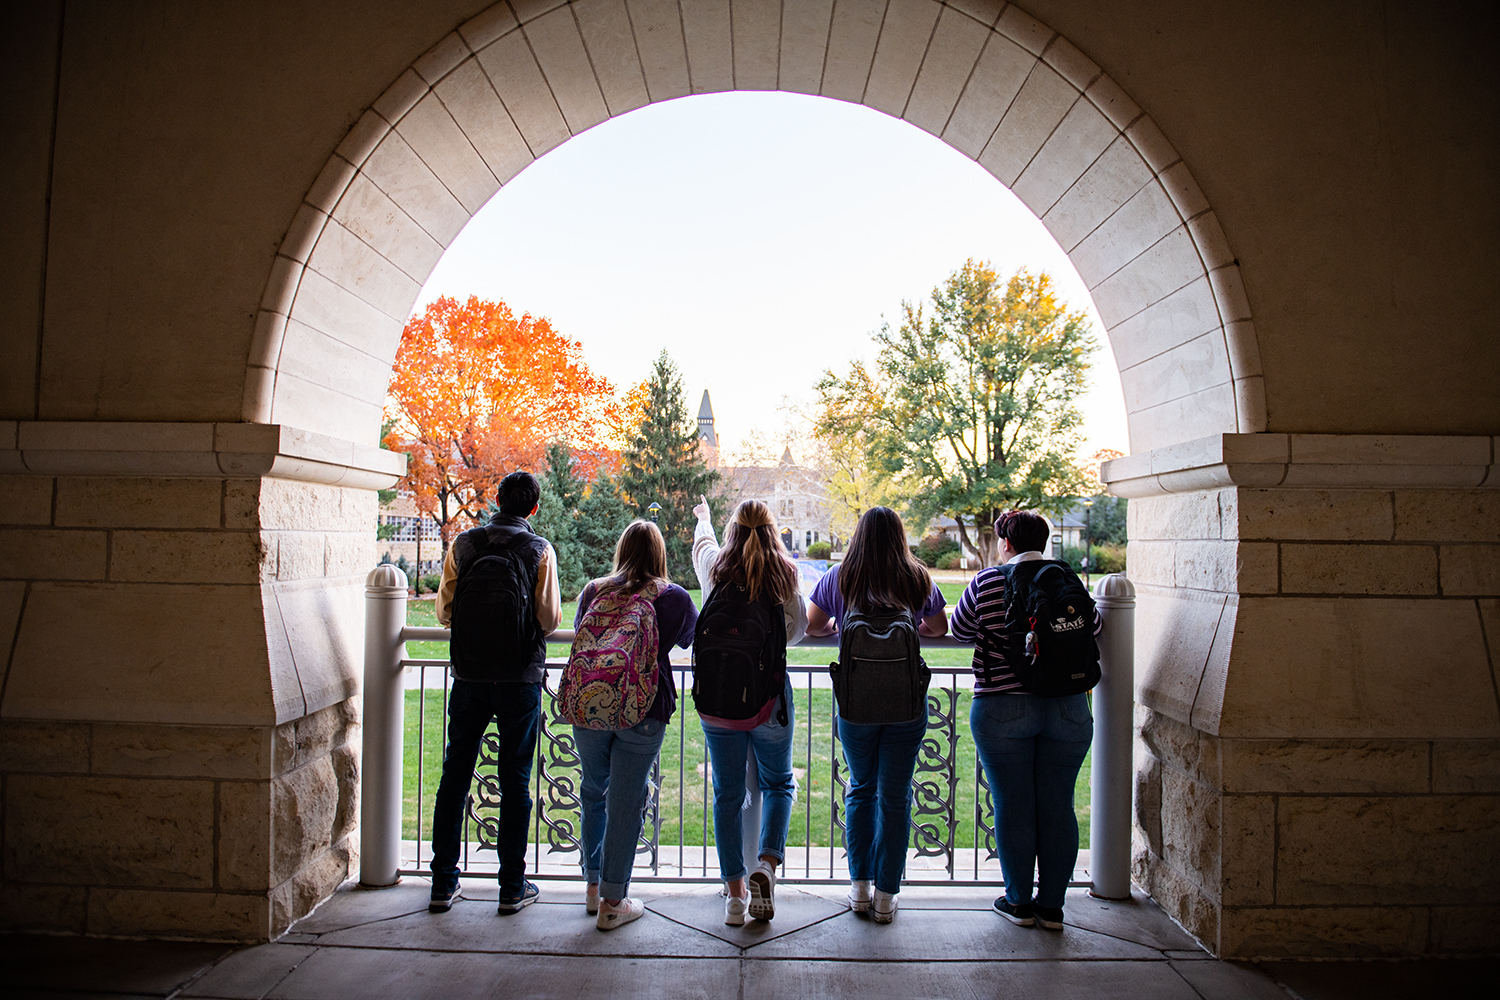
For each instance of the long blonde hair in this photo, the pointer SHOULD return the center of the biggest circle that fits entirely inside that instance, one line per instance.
(640, 557)
(753, 555)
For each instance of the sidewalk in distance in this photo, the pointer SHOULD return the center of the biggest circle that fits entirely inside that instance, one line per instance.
(367, 944)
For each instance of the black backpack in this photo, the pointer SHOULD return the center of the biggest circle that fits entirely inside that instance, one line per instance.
(739, 654)
(1049, 629)
(880, 676)
(494, 615)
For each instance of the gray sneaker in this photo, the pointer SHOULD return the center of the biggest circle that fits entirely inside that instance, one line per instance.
(515, 902)
(443, 897)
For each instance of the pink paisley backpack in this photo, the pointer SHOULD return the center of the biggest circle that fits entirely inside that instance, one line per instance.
(610, 680)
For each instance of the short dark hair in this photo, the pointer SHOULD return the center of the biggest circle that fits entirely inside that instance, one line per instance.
(1026, 530)
(518, 494)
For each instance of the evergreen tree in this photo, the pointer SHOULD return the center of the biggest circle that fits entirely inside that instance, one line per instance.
(663, 464)
(602, 516)
(557, 516)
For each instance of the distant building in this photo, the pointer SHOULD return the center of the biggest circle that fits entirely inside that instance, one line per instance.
(796, 494)
(402, 515)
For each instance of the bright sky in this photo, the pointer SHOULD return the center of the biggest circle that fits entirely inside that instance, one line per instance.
(760, 238)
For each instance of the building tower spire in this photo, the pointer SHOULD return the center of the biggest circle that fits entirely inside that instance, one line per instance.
(706, 421)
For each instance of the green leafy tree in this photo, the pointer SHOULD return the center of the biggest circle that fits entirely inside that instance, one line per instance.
(663, 464)
(972, 411)
(602, 515)
(1107, 520)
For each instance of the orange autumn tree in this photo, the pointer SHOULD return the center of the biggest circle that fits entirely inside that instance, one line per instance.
(478, 393)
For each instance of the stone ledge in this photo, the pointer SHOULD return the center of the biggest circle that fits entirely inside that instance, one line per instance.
(238, 450)
(1307, 461)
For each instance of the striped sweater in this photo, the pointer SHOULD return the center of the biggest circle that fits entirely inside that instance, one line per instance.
(980, 619)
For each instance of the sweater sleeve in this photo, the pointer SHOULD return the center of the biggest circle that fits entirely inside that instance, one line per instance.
(796, 618)
(705, 551)
(965, 622)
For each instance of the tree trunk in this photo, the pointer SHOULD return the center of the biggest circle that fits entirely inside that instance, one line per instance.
(983, 545)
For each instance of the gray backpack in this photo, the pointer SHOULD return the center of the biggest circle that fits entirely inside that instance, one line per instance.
(880, 677)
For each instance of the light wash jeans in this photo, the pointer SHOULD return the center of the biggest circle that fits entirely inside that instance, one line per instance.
(877, 805)
(616, 772)
(727, 750)
(1031, 749)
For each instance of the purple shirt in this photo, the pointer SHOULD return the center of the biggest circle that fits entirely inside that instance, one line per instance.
(676, 620)
(826, 596)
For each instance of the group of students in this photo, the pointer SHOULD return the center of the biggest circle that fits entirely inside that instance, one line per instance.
(1031, 733)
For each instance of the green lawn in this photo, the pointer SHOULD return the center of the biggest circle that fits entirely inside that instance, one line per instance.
(685, 795)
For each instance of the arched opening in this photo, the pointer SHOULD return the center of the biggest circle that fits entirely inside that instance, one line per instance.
(989, 80)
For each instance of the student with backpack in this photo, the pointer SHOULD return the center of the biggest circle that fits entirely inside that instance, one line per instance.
(618, 692)
(1034, 631)
(879, 599)
(752, 610)
(499, 594)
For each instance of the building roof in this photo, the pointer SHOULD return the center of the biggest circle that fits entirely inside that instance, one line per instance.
(705, 408)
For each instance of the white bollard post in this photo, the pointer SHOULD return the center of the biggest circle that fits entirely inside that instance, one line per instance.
(384, 700)
(1114, 723)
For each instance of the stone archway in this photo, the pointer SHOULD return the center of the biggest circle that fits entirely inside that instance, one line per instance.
(1317, 704)
(987, 78)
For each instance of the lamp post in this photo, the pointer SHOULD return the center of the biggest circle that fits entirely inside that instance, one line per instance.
(654, 510)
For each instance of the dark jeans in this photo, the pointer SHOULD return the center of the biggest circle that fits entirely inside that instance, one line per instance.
(1032, 749)
(516, 709)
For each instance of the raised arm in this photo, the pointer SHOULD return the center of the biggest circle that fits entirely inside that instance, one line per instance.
(705, 545)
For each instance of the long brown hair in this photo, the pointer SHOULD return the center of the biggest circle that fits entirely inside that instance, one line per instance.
(753, 555)
(878, 569)
(640, 557)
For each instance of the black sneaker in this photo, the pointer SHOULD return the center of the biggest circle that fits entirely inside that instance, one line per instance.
(1049, 917)
(1020, 915)
(443, 897)
(515, 902)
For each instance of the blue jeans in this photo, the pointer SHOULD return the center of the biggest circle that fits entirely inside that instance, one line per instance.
(727, 750)
(616, 773)
(515, 707)
(877, 805)
(1031, 749)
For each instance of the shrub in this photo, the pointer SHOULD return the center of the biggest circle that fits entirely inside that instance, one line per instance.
(819, 550)
(1103, 559)
(429, 583)
(950, 560)
(933, 548)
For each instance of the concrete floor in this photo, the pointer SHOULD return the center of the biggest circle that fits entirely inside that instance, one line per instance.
(364, 944)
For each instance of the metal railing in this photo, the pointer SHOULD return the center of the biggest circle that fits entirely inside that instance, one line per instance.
(952, 835)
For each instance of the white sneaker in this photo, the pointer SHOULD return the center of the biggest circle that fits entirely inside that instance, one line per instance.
(591, 899)
(763, 892)
(883, 907)
(617, 915)
(859, 895)
(734, 910)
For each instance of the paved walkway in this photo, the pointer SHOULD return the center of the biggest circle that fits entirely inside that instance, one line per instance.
(945, 942)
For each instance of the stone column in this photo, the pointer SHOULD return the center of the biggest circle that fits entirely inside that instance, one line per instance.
(1318, 730)
(180, 740)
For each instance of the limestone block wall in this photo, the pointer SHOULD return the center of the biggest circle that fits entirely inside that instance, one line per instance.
(179, 732)
(1318, 753)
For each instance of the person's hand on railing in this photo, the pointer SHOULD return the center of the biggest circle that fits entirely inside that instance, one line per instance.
(701, 511)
